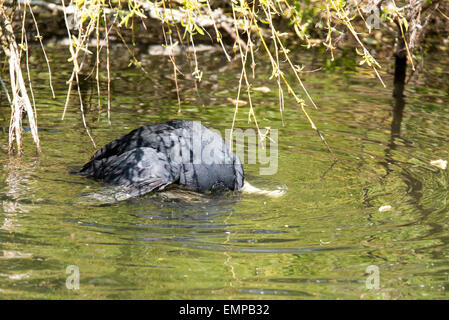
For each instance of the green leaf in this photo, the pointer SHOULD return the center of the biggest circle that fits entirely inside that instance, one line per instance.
(405, 24)
(200, 31)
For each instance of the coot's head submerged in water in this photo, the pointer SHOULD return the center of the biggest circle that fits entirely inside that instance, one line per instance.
(174, 152)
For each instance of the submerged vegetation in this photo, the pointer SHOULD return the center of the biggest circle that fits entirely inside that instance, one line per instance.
(241, 28)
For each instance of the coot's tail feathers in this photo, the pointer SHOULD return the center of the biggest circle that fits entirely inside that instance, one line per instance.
(94, 168)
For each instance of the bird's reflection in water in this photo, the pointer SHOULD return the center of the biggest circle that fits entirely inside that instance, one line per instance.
(174, 199)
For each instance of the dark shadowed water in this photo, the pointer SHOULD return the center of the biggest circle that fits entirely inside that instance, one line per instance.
(315, 242)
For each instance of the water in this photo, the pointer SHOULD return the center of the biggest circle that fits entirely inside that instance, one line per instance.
(315, 242)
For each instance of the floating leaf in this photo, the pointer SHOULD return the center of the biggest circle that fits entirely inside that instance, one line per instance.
(385, 208)
(440, 163)
(262, 89)
(237, 102)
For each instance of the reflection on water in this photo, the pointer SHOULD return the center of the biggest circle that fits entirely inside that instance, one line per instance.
(316, 241)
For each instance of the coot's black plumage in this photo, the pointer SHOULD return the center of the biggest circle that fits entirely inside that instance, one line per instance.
(174, 152)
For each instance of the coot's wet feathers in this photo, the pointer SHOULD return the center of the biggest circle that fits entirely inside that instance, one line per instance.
(154, 156)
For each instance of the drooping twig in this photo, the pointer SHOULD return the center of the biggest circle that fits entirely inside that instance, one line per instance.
(43, 50)
(5, 89)
(20, 101)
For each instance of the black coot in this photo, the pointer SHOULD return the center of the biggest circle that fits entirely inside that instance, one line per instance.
(154, 156)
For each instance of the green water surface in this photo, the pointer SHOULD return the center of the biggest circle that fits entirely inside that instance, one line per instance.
(315, 242)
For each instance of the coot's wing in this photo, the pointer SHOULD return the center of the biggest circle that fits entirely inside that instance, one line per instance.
(159, 136)
(118, 146)
(139, 171)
